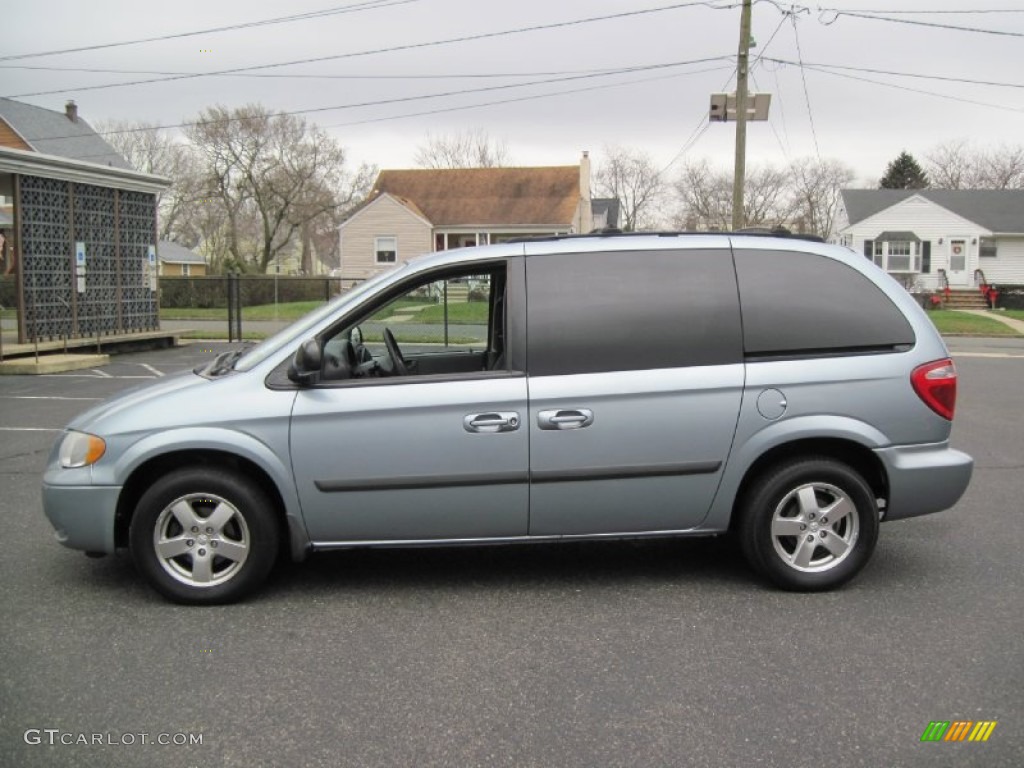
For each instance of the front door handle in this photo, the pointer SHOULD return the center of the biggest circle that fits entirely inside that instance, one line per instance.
(494, 421)
(573, 418)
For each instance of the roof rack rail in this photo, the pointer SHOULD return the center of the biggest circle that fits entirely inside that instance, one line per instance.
(780, 232)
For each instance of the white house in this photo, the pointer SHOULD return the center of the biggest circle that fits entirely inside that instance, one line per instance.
(921, 235)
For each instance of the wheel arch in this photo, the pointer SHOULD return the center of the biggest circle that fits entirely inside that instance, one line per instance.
(293, 536)
(857, 456)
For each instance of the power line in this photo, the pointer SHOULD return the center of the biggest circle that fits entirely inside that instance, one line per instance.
(443, 94)
(945, 78)
(369, 5)
(807, 95)
(785, 15)
(300, 76)
(515, 99)
(392, 49)
(899, 87)
(782, 107)
(915, 22)
(703, 123)
(764, 50)
(960, 11)
(439, 110)
(778, 139)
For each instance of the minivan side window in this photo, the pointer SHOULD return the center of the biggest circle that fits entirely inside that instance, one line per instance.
(445, 324)
(631, 310)
(796, 303)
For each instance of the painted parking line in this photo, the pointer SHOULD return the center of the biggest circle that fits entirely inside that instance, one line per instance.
(151, 368)
(91, 376)
(101, 374)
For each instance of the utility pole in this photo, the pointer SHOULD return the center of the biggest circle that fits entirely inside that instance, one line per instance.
(740, 170)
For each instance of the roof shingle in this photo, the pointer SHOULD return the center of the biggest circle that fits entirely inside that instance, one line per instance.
(52, 133)
(997, 210)
(487, 196)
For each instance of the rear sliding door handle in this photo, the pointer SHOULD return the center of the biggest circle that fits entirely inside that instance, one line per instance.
(494, 421)
(572, 418)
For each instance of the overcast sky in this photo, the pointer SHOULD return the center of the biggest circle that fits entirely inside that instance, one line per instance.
(660, 107)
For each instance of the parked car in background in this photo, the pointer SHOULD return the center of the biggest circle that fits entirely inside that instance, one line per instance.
(567, 388)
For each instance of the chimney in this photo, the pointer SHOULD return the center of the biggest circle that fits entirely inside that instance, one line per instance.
(71, 111)
(586, 213)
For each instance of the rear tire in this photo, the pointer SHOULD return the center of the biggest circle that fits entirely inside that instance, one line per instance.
(809, 525)
(203, 537)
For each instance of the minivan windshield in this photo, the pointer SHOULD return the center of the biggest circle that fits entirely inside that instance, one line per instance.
(295, 332)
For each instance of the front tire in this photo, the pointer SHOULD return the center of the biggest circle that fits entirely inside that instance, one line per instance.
(809, 525)
(204, 537)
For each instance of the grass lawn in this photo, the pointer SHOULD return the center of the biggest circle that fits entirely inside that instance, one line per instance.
(369, 338)
(1016, 314)
(223, 335)
(948, 321)
(291, 311)
(464, 313)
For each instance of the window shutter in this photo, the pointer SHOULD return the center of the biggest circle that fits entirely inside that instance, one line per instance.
(926, 257)
(869, 249)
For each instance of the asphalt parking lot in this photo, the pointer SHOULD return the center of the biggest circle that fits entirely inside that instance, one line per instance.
(656, 654)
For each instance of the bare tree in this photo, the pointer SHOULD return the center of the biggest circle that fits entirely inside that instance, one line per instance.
(706, 197)
(958, 165)
(151, 149)
(631, 177)
(766, 198)
(814, 188)
(952, 166)
(470, 149)
(272, 174)
(1003, 167)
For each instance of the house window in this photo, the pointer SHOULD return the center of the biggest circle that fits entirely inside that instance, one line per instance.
(186, 270)
(895, 255)
(900, 256)
(386, 249)
(987, 247)
(880, 253)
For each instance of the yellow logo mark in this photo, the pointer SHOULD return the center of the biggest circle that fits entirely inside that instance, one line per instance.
(982, 730)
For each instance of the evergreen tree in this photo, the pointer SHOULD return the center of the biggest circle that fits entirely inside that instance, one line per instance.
(904, 173)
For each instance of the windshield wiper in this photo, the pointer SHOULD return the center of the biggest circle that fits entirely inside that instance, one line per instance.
(224, 362)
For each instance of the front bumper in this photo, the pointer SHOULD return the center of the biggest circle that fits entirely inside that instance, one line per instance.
(924, 478)
(83, 515)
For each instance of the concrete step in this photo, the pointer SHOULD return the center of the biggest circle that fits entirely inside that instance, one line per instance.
(966, 299)
(121, 342)
(54, 363)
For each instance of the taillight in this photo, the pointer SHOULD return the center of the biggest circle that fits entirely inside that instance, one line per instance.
(935, 384)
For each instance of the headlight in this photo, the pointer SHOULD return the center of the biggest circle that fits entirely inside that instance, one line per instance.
(79, 449)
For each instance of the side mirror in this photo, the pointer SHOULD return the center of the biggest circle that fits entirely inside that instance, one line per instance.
(307, 362)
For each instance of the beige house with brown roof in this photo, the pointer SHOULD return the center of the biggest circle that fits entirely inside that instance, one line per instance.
(410, 212)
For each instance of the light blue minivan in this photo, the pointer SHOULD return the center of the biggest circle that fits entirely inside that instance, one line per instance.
(581, 387)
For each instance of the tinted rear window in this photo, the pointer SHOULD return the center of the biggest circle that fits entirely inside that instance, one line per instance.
(634, 310)
(797, 302)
